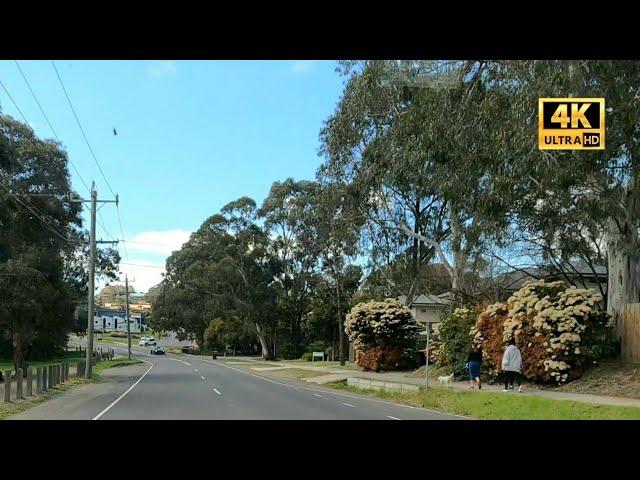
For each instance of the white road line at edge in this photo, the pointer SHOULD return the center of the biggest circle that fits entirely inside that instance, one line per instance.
(335, 393)
(348, 405)
(392, 418)
(97, 417)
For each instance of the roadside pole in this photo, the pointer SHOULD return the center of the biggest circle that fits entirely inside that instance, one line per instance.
(126, 293)
(92, 270)
(426, 356)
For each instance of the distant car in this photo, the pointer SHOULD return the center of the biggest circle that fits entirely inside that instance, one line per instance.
(157, 350)
(146, 341)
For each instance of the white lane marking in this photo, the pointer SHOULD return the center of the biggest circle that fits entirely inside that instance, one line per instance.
(392, 418)
(337, 393)
(202, 377)
(348, 405)
(216, 390)
(316, 395)
(195, 370)
(177, 360)
(97, 417)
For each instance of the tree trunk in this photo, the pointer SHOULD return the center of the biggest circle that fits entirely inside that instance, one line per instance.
(262, 336)
(340, 326)
(18, 352)
(459, 257)
(623, 272)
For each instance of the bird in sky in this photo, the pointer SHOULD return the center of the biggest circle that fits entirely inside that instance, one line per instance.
(114, 131)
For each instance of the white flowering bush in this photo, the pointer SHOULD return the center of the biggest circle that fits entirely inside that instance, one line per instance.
(383, 333)
(558, 329)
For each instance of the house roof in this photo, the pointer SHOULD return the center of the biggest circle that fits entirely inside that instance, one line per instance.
(428, 299)
(516, 279)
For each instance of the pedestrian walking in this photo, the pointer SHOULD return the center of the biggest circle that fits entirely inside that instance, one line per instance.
(474, 362)
(511, 366)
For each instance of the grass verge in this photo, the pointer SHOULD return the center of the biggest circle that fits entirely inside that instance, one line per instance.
(6, 364)
(116, 362)
(500, 406)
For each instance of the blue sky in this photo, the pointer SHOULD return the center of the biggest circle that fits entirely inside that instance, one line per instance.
(192, 136)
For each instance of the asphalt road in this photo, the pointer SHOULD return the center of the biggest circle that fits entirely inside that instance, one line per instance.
(196, 388)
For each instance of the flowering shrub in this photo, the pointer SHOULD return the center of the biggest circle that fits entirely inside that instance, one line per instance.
(455, 337)
(436, 352)
(383, 334)
(558, 330)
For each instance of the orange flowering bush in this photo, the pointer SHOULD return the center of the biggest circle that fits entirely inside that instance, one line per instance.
(558, 330)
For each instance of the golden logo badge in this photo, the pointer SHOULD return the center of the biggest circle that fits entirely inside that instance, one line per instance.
(571, 123)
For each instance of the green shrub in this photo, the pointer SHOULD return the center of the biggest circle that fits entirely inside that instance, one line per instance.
(291, 352)
(118, 334)
(317, 346)
(455, 337)
(307, 356)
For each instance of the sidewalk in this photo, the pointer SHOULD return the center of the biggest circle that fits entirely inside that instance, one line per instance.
(337, 374)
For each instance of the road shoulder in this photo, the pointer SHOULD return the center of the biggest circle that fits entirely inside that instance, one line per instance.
(84, 402)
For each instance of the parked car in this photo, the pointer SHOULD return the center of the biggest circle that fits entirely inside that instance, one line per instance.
(157, 350)
(151, 341)
(146, 341)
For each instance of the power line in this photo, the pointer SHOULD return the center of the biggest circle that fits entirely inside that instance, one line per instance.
(15, 104)
(81, 129)
(33, 94)
(140, 265)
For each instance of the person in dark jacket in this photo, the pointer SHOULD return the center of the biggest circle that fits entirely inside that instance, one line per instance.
(474, 362)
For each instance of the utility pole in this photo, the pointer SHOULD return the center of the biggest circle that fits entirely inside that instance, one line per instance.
(126, 293)
(92, 270)
(426, 356)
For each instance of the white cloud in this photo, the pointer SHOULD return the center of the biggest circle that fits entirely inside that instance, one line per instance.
(302, 66)
(142, 274)
(161, 68)
(162, 242)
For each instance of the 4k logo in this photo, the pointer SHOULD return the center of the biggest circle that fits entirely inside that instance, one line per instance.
(571, 123)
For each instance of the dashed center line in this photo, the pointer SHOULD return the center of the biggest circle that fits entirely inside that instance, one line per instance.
(216, 390)
(202, 377)
(195, 369)
(348, 405)
(392, 418)
(316, 395)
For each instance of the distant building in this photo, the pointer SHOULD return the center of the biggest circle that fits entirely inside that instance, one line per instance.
(114, 321)
(426, 309)
(576, 273)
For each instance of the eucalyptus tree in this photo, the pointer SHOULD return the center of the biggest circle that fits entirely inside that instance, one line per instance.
(420, 158)
(588, 197)
(286, 211)
(40, 229)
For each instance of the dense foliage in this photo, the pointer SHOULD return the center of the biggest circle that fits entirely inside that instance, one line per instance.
(455, 337)
(383, 334)
(42, 247)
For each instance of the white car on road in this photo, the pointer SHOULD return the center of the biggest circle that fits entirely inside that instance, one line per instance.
(146, 341)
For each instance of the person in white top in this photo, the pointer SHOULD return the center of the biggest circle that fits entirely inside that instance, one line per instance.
(511, 366)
